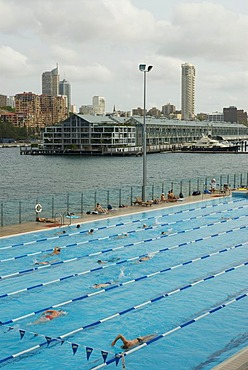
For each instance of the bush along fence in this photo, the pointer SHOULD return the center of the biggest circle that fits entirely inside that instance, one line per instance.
(57, 206)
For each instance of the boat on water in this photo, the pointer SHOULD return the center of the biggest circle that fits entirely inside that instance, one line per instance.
(208, 145)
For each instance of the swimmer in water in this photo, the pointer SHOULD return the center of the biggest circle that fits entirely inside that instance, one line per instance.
(49, 315)
(102, 285)
(56, 250)
(127, 343)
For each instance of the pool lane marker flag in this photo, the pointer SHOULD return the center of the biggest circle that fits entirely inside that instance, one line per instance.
(48, 339)
(22, 333)
(74, 347)
(104, 355)
(117, 358)
(89, 350)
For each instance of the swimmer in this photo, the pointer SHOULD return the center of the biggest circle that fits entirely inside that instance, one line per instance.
(123, 235)
(110, 260)
(144, 226)
(78, 226)
(61, 232)
(145, 258)
(133, 342)
(49, 315)
(91, 231)
(41, 263)
(56, 250)
(101, 285)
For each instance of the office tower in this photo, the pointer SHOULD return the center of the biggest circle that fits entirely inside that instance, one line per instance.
(65, 89)
(98, 103)
(50, 82)
(188, 91)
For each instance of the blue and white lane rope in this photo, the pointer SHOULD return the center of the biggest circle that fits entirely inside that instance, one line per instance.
(129, 245)
(160, 336)
(126, 283)
(121, 262)
(131, 222)
(116, 235)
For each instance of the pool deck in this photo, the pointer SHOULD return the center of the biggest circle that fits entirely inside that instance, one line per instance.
(239, 361)
(36, 226)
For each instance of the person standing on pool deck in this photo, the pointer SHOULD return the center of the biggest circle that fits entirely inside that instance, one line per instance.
(129, 343)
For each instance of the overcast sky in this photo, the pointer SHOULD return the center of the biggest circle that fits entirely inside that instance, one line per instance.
(98, 45)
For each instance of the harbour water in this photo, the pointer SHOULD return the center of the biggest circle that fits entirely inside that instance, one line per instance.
(22, 177)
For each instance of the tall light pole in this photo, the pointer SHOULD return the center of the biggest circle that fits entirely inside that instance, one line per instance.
(144, 68)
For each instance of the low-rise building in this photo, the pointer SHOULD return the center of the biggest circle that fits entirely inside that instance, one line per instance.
(116, 135)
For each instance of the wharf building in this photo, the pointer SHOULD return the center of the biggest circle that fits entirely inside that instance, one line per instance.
(110, 135)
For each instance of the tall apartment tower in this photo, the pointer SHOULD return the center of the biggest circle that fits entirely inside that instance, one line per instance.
(65, 89)
(50, 82)
(188, 91)
(98, 103)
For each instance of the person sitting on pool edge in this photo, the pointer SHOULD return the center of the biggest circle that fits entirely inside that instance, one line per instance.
(99, 209)
(132, 342)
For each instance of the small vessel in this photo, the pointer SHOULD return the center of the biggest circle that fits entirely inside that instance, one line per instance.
(208, 145)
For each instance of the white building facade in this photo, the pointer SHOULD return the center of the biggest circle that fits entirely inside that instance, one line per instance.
(188, 92)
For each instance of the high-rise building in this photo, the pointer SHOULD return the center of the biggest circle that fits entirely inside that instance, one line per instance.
(50, 82)
(232, 114)
(98, 103)
(188, 91)
(65, 89)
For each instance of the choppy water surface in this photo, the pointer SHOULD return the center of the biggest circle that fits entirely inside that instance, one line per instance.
(23, 176)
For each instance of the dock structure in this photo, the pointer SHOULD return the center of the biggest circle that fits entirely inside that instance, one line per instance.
(122, 136)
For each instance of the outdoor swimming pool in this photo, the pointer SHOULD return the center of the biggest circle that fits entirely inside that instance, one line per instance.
(191, 293)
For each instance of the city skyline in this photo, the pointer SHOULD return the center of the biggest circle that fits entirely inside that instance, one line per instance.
(99, 44)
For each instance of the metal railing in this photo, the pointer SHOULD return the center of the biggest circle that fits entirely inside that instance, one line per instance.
(21, 211)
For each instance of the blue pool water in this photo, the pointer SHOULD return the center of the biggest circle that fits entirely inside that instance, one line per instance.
(190, 293)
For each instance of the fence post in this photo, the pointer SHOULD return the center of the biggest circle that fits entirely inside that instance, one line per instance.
(181, 186)
(152, 191)
(20, 212)
(206, 183)
(172, 186)
(198, 184)
(241, 180)
(131, 195)
(108, 198)
(82, 203)
(189, 188)
(53, 206)
(95, 199)
(68, 203)
(162, 187)
(1, 214)
(120, 197)
(234, 181)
